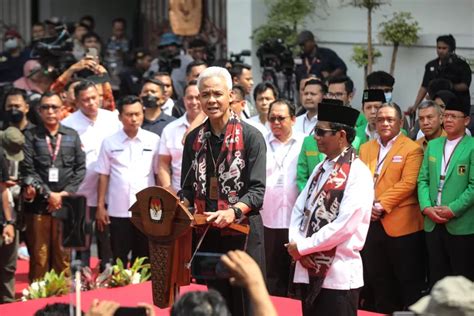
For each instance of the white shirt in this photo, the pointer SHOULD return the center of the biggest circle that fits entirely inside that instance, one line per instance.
(449, 148)
(255, 122)
(384, 151)
(347, 232)
(171, 145)
(305, 125)
(92, 133)
(131, 165)
(281, 190)
(371, 135)
(167, 108)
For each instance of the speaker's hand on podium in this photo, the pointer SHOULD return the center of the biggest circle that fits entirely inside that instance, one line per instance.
(221, 218)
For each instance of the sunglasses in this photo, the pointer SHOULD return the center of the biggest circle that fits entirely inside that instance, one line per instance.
(273, 119)
(46, 107)
(321, 132)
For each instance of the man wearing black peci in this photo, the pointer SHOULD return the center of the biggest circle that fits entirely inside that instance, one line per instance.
(227, 179)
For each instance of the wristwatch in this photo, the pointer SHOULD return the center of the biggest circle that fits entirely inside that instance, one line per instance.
(237, 212)
(9, 222)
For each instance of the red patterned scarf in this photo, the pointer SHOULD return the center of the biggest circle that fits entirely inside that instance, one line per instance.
(324, 208)
(229, 166)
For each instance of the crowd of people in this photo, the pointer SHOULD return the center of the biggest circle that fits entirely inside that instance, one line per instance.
(346, 209)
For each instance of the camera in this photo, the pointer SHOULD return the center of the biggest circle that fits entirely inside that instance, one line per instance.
(167, 62)
(54, 53)
(237, 58)
(274, 54)
(37, 185)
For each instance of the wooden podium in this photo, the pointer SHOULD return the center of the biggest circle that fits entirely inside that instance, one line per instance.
(166, 222)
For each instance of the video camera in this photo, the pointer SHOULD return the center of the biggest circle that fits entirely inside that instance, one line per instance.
(54, 53)
(274, 54)
(167, 62)
(237, 58)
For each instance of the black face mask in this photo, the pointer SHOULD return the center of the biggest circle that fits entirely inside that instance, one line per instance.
(150, 102)
(14, 116)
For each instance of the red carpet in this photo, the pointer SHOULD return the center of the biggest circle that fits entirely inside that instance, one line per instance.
(127, 296)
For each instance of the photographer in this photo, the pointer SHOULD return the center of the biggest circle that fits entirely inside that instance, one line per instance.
(131, 79)
(172, 60)
(449, 66)
(11, 142)
(320, 61)
(55, 163)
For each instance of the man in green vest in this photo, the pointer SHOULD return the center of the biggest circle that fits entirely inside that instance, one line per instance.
(446, 195)
(342, 88)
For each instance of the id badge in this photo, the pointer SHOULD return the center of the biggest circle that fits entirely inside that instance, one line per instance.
(53, 174)
(213, 189)
(280, 181)
(305, 221)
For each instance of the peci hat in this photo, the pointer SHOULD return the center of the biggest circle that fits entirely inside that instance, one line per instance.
(452, 102)
(305, 36)
(373, 95)
(12, 141)
(167, 39)
(334, 102)
(329, 112)
(451, 296)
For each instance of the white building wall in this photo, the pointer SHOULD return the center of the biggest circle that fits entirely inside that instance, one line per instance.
(343, 27)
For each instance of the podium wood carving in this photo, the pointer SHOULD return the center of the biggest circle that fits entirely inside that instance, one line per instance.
(167, 224)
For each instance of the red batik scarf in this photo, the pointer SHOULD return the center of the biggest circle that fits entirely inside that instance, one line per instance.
(325, 210)
(229, 166)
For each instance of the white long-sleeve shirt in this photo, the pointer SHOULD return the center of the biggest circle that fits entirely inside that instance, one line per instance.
(347, 232)
(281, 189)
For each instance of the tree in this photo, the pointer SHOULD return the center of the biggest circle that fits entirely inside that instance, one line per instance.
(361, 58)
(401, 29)
(285, 18)
(370, 5)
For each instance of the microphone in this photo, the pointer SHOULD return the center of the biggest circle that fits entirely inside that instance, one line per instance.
(205, 137)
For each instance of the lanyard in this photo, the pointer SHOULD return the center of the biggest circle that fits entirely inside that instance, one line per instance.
(378, 166)
(442, 176)
(54, 154)
(280, 166)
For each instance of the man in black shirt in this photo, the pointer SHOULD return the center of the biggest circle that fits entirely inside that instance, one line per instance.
(55, 160)
(229, 183)
(17, 110)
(324, 63)
(152, 96)
(448, 66)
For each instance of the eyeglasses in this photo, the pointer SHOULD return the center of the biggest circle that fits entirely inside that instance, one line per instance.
(46, 107)
(452, 116)
(273, 119)
(335, 95)
(321, 132)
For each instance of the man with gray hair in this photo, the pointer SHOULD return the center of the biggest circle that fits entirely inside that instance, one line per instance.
(229, 184)
(430, 116)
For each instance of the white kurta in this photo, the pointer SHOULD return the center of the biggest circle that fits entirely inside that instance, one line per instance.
(347, 232)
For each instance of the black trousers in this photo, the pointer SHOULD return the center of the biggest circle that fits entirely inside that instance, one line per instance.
(278, 261)
(104, 248)
(237, 298)
(331, 302)
(449, 254)
(125, 237)
(395, 268)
